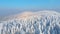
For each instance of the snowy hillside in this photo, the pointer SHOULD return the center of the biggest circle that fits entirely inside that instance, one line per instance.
(41, 22)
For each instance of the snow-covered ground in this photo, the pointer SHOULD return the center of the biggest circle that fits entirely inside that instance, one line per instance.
(41, 22)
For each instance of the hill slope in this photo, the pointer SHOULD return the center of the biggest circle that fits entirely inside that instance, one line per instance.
(43, 22)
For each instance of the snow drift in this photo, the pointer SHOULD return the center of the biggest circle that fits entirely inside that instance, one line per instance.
(41, 22)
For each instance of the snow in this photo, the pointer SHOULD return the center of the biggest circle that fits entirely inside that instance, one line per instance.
(42, 22)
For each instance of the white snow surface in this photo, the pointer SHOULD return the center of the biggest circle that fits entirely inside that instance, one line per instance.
(41, 22)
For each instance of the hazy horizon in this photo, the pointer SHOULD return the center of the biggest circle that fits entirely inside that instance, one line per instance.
(9, 7)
